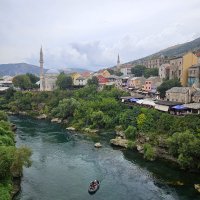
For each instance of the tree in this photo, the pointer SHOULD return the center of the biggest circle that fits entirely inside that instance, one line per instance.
(166, 85)
(150, 72)
(22, 81)
(33, 78)
(64, 81)
(138, 70)
(93, 81)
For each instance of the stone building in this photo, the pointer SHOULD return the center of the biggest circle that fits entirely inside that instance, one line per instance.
(136, 82)
(180, 94)
(126, 69)
(176, 66)
(196, 97)
(80, 81)
(151, 84)
(155, 62)
(164, 71)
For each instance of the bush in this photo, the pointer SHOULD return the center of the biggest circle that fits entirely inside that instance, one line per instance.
(130, 132)
(131, 144)
(149, 152)
(3, 116)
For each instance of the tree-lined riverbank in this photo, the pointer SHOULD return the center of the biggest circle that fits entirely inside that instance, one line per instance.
(64, 163)
(88, 109)
(12, 160)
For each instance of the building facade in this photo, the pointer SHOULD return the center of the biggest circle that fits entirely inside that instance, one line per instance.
(176, 67)
(194, 76)
(151, 84)
(164, 71)
(136, 82)
(180, 94)
(189, 59)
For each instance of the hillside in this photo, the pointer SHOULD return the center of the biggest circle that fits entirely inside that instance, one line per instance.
(23, 68)
(175, 50)
(18, 68)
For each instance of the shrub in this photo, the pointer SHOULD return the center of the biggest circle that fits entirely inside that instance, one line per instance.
(131, 144)
(149, 152)
(130, 132)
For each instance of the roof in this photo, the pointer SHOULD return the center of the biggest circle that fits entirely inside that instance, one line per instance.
(179, 90)
(167, 103)
(80, 78)
(137, 78)
(192, 106)
(153, 78)
(52, 71)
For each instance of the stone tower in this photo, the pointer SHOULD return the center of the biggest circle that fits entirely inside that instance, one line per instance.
(118, 62)
(42, 87)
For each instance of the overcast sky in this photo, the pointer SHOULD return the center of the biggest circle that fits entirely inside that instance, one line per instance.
(90, 33)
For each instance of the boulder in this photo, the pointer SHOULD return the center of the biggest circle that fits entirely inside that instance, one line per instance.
(140, 148)
(70, 129)
(43, 116)
(88, 130)
(118, 141)
(13, 127)
(197, 187)
(56, 120)
(98, 145)
(121, 134)
(65, 121)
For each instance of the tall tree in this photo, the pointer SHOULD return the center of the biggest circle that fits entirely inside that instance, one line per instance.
(138, 70)
(150, 72)
(22, 81)
(93, 81)
(166, 85)
(33, 78)
(64, 81)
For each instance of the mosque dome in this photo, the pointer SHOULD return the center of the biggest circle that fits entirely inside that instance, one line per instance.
(52, 71)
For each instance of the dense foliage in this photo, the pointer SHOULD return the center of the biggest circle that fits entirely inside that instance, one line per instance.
(141, 70)
(25, 81)
(88, 108)
(64, 81)
(12, 159)
(166, 85)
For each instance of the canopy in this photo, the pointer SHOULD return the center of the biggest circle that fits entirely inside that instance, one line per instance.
(140, 101)
(179, 107)
(133, 100)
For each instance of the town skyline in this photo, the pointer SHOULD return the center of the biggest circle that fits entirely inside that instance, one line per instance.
(91, 35)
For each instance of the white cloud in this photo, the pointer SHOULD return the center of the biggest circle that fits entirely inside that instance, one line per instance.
(91, 33)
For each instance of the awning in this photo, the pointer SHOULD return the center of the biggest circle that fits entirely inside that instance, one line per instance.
(179, 107)
(133, 100)
(162, 108)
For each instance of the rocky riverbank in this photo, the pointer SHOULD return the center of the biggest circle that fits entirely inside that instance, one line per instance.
(139, 144)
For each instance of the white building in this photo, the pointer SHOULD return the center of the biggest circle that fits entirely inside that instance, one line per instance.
(80, 81)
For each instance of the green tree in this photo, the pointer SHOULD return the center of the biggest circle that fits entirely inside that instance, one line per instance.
(64, 81)
(150, 72)
(34, 79)
(130, 132)
(93, 81)
(22, 81)
(138, 70)
(166, 85)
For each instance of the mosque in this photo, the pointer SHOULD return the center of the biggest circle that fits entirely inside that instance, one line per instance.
(47, 80)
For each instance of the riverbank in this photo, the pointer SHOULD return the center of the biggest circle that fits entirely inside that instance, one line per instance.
(63, 162)
(12, 159)
(90, 110)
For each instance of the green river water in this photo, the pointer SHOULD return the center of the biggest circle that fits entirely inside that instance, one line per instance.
(64, 163)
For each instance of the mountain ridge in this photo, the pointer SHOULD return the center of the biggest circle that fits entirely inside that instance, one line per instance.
(13, 69)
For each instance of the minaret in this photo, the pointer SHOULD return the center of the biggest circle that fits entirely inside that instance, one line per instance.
(118, 62)
(41, 71)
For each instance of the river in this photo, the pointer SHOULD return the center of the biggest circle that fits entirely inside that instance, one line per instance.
(64, 163)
